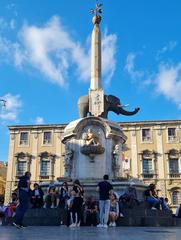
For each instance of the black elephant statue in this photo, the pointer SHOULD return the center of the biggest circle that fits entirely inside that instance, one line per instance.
(111, 103)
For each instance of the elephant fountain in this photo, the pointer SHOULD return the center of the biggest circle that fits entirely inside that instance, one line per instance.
(111, 103)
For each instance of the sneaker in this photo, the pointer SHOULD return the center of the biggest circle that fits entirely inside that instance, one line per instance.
(78, 224)
(153, 208)
(105, 226)
(100, 225)
(113, 224)
(16, 225)
(110, 224)
(72, 225)
(23, 226)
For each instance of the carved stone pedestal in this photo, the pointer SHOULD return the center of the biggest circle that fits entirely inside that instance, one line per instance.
(93, 148)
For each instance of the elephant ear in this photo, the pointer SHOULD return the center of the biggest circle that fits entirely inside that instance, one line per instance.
(113, 99)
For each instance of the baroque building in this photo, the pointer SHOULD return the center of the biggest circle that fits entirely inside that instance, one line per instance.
(152, 153)
(3, 170)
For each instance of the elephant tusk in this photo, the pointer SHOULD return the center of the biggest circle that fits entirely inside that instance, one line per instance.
(122, 106)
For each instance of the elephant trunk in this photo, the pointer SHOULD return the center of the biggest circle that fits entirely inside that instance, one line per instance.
(127, 113)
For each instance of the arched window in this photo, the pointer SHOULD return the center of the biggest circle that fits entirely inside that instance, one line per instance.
(147, 158)
(47, 161)
(175, 197)
(173, 163)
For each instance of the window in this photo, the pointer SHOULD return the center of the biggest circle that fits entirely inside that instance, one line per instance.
(46, 138)
(23, 138)
(147, 168)
(21, 167)
(175, 197)
(174, 168)
(146, 135)
(172, 134)
(45, 167)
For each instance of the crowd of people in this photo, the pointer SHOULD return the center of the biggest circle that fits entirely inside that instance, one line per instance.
(80, 210)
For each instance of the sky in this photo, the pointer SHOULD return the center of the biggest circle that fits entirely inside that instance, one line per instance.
(45, 59)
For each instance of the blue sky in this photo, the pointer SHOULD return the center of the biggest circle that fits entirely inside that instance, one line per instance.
(45, 59)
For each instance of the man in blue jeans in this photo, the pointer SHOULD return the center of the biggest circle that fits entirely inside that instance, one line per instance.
(105, 189)
(24, 198)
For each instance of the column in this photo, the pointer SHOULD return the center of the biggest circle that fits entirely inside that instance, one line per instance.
(134, 154)
(11, 166)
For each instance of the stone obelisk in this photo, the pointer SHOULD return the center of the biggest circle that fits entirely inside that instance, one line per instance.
(96, 93)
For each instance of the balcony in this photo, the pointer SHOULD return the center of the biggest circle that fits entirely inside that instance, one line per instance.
(148, 174)
(47, 142)
(172, 138)
(44, 175)
(20, 173)
(146, 139)
(23, 142)
(174, 175)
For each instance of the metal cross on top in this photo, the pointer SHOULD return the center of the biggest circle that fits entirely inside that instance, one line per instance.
(97, 9)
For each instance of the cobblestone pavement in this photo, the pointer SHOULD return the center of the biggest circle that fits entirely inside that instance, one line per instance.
(90, 233)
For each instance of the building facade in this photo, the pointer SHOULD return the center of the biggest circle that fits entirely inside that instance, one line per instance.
(3, 171)
(152, 153)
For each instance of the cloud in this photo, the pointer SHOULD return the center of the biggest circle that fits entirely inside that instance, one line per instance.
(12, 109)
(12, 24)
(3, 24)
(130, 67)
(53, 52)
(165, 80)
(39, 121)
(10, 52)
(167, 48)
(12, 8)
(168, 82)
(7, 25)
(108, 56)
(4, 46)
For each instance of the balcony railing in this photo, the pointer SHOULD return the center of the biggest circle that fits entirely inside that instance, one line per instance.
(46, 141)
(20, 173)
(146, 139)
(174, 175)
(148, 174)
(172, 138)
(44, 175)
(23, 142)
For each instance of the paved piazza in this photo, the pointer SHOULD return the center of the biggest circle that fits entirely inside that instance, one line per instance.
(86, 233)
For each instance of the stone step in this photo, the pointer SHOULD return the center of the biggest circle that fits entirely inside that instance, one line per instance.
(145, 221)
(176, 222)
(45, 217)
(132, 217)
(146, 212)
